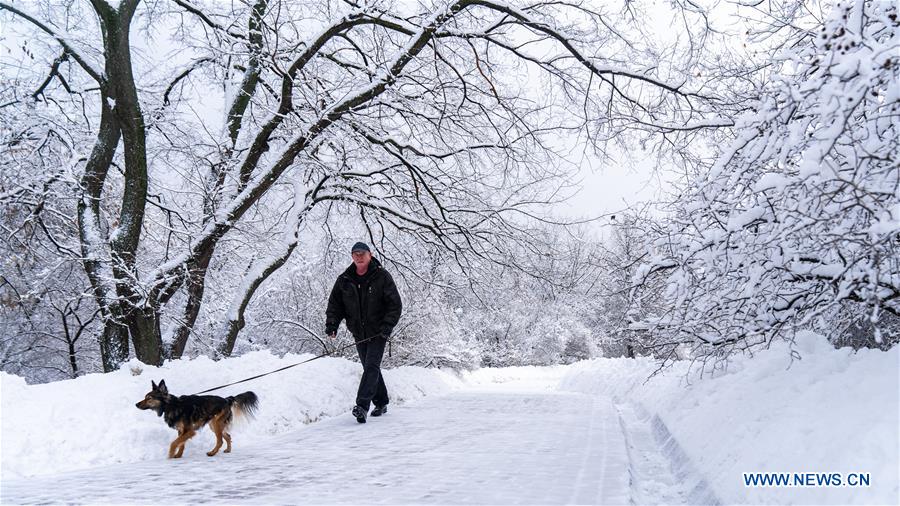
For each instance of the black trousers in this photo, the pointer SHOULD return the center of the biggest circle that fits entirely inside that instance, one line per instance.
(371, 385)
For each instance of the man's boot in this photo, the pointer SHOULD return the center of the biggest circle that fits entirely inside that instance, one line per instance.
(359, 413)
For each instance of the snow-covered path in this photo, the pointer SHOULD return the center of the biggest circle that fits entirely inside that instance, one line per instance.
(472, 446)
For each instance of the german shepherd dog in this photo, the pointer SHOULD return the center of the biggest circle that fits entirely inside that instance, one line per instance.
(189, 413)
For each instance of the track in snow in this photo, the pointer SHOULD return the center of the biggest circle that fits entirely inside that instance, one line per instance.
(488, 446)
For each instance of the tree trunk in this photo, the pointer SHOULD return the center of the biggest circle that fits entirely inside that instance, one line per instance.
(232, 328)
(145, 335)
(113, 343)
(114, 340)
(196, 285)
(73, 362)
(143, 321)
(70, 341)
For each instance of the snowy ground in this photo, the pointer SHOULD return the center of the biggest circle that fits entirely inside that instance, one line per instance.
(459, 448)
(594, 432)
(92, 421)
(824, 411)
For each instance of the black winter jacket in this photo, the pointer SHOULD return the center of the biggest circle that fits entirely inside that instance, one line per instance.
(380, 303)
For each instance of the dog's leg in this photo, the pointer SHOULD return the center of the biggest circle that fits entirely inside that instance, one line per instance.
(191, 433)
(175, 444)
(176, 449)
(226, 424)
(218, 428)
(227, 442)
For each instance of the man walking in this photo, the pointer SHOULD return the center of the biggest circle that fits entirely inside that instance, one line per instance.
(366, 297)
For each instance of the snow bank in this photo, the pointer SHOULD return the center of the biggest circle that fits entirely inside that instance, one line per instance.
(92, 420)
(831, 411)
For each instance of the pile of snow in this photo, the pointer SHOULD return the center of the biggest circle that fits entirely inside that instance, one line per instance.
(830, 411)
(93, 421)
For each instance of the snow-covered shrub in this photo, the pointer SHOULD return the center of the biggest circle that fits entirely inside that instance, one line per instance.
(851, 326)
(431, 334)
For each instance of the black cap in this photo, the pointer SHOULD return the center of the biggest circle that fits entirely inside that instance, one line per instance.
(360, 246)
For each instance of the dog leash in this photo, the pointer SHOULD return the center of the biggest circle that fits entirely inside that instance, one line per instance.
(288, 366)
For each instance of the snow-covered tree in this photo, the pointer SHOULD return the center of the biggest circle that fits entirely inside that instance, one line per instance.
(616, 313)
(801, 213)
(423, 121)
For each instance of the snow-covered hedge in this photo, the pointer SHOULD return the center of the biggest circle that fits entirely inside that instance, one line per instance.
(92, 421)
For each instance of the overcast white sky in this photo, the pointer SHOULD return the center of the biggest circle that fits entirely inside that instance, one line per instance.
(611, 186)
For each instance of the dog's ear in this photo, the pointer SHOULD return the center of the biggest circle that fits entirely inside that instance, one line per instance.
(153, 384)
(162, 387)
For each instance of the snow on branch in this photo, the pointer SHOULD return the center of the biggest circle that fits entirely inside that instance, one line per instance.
(95, 74)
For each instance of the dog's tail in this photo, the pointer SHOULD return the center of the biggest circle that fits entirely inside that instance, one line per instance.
(244, 404)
